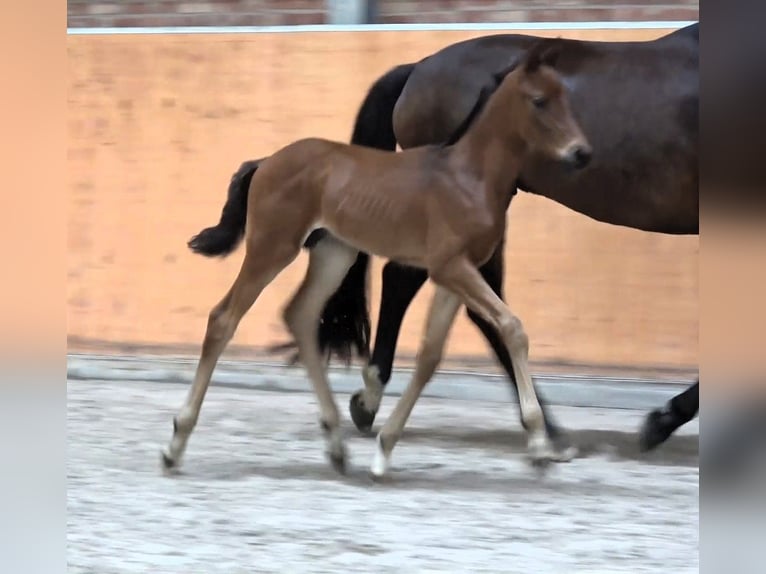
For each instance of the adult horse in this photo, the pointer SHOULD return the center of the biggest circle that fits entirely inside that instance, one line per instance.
(638, 103)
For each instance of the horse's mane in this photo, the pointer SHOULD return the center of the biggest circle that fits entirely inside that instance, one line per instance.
(484, 95)
(544, 51)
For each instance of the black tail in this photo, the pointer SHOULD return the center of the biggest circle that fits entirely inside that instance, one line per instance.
(222, 239)
(346, 319)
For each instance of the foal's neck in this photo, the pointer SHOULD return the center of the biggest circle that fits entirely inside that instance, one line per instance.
(492, 151)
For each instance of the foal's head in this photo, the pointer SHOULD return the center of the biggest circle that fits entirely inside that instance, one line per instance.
(536, 99)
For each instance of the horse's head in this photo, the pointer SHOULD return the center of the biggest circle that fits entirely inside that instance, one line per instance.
(541, 112)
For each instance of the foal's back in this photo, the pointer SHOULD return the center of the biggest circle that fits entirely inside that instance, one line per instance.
(379, 201)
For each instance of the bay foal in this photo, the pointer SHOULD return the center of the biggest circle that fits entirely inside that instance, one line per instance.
(439, 208)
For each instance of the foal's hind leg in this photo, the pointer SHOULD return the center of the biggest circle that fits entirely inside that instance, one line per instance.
(465, 280)
(441, 316)
(329, 261)
(260, 266)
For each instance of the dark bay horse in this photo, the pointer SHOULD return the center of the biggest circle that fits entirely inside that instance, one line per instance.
(638, 103)
(439, 208)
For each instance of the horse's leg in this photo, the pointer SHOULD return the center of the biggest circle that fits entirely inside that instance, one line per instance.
(663, 422)
(441, 316)
(261, 264)
(465, 280)
(493, 272)
(400, 285)
(329, 261)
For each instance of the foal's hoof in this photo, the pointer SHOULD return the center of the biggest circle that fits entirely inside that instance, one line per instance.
(362, 417)
(381, 462)
(338, 459)
(169, 464)
(564, 452)
(563, 448)
(542, 453)
(657, 428)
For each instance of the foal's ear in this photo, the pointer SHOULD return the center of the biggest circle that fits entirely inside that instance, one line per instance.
(544, 52)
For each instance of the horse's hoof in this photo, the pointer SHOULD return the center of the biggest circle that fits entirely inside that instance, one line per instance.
(657, 428)
(362, 417)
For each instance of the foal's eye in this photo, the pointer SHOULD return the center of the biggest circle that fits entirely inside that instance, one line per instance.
(539, 101)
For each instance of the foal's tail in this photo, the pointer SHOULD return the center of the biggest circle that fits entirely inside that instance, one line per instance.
(222, 239)
(346, 319)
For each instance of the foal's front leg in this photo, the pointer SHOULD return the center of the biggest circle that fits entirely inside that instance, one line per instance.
(463, 278)
(493, 272)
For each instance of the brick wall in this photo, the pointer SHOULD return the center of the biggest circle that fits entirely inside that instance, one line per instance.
(98, 13)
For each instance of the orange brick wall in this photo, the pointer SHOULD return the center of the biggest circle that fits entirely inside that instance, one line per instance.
(157, 124)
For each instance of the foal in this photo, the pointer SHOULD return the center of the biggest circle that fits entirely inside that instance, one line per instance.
(440, 208)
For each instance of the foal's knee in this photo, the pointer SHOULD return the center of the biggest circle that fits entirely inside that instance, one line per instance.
(512, 330)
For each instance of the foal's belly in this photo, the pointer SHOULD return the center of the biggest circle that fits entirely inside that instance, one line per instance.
(386, 222)
(384, 237)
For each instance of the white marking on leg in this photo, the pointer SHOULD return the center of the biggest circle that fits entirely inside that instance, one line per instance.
(381, 461)
(538, 445)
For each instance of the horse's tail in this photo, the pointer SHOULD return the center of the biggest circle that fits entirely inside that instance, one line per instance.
(346, 319)
(222, 239)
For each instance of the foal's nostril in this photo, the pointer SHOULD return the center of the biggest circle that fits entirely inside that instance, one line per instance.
(580, 156)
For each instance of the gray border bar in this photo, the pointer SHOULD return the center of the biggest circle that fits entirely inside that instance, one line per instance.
(488, 26)
(566, 390)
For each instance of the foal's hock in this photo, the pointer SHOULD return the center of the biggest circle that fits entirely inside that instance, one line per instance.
(439, 208)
